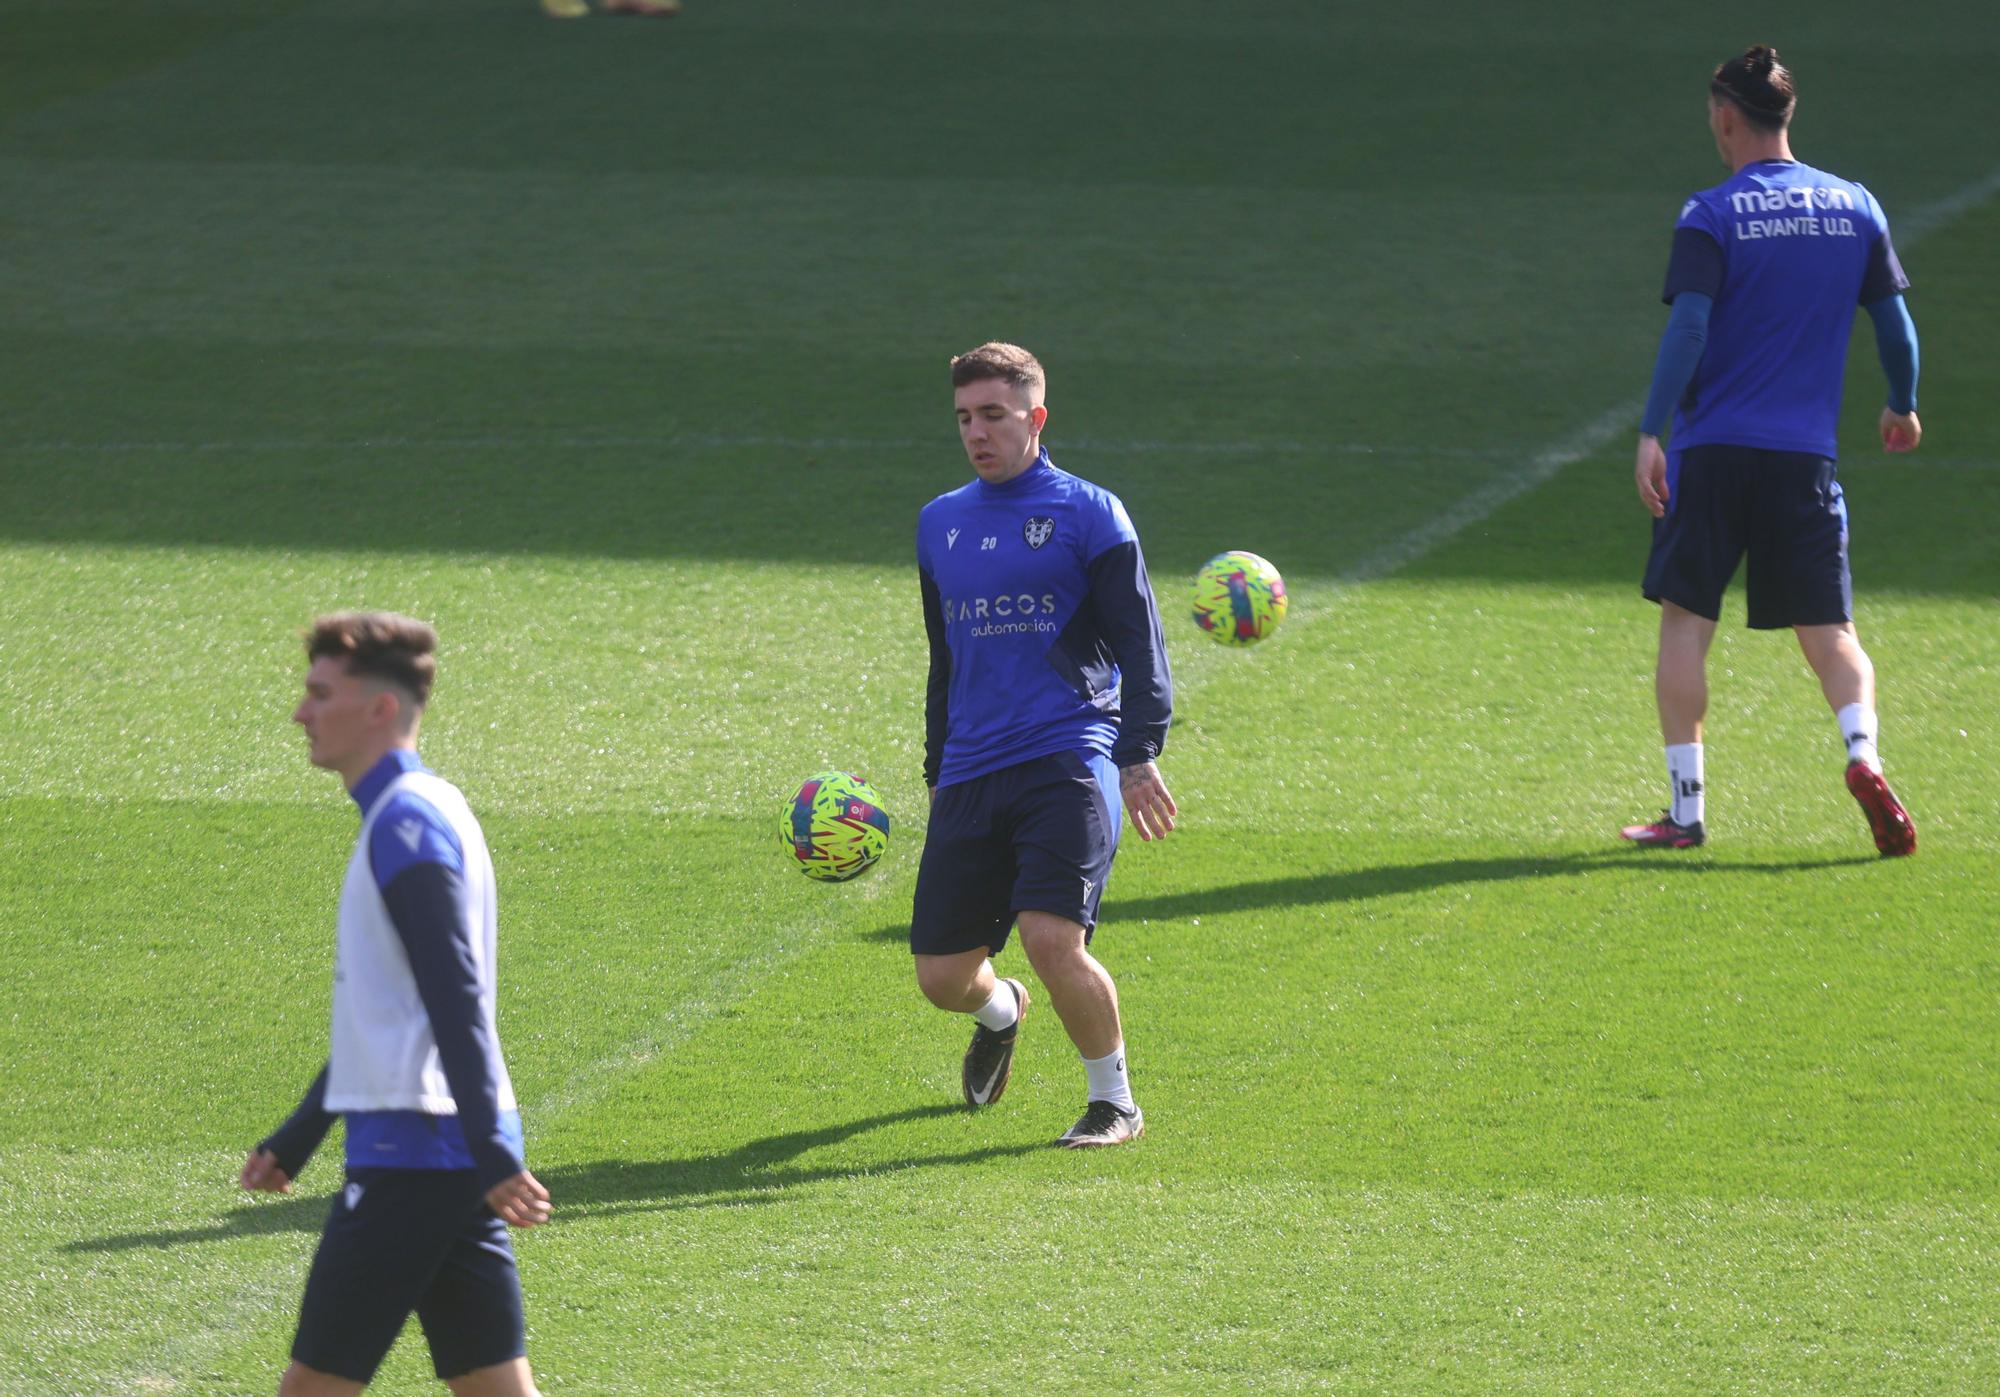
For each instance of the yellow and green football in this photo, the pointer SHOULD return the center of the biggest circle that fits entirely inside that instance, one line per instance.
(1239, 599)
(834, 827)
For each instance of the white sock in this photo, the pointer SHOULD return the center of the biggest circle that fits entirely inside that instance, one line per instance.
(1684, 780)
(1108, 1081)
(1001, 1010)
(1859, 725)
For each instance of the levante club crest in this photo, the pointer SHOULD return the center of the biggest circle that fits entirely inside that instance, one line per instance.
(1038, 530)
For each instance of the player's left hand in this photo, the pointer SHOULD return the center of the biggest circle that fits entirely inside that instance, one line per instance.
(520, 1201)
(1146, 799)
(261, 1174)
(1650, 471)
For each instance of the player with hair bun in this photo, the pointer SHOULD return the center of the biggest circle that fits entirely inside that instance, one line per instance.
(1766, 271)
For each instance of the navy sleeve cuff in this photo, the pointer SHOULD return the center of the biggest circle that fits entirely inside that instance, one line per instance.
(293, 1143)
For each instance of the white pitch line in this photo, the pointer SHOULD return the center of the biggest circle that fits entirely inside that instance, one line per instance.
(1482, 503)
(1586, 440)
(1932, 216)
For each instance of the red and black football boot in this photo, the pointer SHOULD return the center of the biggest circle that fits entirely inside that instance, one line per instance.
(1887, 819)
(1664, 833)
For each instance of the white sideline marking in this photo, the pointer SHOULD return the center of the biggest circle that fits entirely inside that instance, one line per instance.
(1586, 440)
(1482, 503)
(1932, 216)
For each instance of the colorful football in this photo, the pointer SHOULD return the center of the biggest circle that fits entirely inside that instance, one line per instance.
(834, 827)
(1239, 599)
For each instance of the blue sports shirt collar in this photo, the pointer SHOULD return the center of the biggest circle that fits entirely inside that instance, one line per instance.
(394, 763)
(1025, 480)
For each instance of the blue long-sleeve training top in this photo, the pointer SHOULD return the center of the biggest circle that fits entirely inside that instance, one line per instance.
(1044, 635)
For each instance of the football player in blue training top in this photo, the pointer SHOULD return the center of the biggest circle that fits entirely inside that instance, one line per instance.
(434, 1162)
(1767, 268)
(1048, 702)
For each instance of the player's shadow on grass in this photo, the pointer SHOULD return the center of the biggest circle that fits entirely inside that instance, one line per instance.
(257, 1217)
(752, 1173)
(1392, 879)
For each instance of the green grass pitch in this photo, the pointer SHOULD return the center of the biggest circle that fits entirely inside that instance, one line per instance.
(617, 349)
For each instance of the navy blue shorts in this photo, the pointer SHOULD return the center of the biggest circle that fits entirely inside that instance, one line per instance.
(1783, 508)
(399, 1240)
(1037, 837)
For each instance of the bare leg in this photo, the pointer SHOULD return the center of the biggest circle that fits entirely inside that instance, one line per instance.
(1846, 674)
(1680, 680)
(958, 984)
(1085, 999)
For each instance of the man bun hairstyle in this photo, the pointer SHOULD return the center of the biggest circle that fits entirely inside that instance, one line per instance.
(1007, 362)
(1759, 85)
(399, 650)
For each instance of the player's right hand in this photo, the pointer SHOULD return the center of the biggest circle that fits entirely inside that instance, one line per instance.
(1900, 430)
(520, 1201)
(261, 1174)
(1146, 800)
(1650, 470)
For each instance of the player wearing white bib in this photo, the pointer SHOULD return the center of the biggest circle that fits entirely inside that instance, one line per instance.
(434, 1154)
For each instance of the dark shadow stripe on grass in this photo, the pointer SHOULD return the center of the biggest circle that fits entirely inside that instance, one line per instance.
(750, 1173)
(254, 1219)
(1391, 880)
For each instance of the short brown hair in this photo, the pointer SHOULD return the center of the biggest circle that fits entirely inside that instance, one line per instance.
(1759, 85)
(381, 645)
(1007, 362)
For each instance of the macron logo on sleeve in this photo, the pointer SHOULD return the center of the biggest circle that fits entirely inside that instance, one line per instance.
(410, 831)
